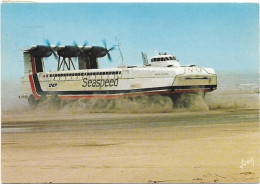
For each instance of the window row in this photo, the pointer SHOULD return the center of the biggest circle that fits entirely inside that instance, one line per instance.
(83, 74)
(163, 59)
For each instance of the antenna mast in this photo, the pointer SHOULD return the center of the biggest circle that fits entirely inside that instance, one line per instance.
(118, 45)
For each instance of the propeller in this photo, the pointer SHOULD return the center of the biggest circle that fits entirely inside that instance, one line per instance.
(80, 48)
(52, 50)
(108, 50)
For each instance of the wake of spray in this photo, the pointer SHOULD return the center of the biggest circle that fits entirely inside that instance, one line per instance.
(157, 103)
(220, 99)
(142, 104)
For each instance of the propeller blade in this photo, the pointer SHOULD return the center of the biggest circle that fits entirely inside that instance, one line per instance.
(47, 42)
(55, 55)
(75, 43)
(109, 57)
(58, 44)
(85, 44)
(112, 48)
(108, 50)
(105, 43)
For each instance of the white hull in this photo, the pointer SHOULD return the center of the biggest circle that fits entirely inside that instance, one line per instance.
(118, 82)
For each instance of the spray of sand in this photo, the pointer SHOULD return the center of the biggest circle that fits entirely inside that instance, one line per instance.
(142, 104)
(219, 99)
(232, 100)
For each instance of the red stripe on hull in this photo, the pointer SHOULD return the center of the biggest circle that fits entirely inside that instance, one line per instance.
(37, 97)
(33, 65)
(191, 90)
(77, 97)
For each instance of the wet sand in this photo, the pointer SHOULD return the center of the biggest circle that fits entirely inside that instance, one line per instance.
(171, 147)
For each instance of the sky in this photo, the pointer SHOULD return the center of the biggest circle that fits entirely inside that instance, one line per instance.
(221, 36)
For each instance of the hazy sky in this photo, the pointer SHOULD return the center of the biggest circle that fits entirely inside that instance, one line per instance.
(221, 36)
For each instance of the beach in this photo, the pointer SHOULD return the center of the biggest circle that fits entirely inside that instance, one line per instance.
(106, 147)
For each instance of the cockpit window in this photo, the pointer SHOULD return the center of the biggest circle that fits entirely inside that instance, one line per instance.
(172, 58)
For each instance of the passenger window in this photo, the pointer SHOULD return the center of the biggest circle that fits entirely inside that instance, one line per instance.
(167, 59)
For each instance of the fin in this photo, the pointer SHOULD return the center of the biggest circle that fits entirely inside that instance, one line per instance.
(145, 60)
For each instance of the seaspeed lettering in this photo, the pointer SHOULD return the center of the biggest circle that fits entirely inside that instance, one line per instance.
(99, 82)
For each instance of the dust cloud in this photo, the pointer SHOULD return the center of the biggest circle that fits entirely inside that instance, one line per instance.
(145, 104)
(219, 99)
(232, 100)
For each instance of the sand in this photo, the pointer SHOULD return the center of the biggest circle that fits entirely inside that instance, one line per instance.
(174, 147)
